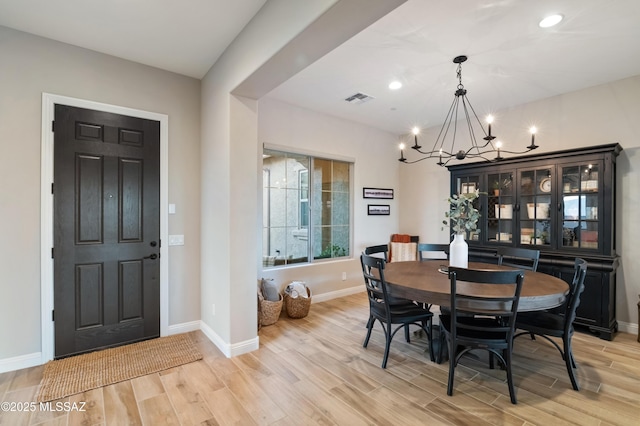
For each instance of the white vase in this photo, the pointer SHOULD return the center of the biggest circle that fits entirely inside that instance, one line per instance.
(459, 252)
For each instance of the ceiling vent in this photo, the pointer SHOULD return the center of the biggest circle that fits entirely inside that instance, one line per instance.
(359, 98)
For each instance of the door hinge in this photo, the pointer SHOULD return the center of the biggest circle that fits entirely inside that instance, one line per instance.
(52, 252)
(52, 187)
(53, 316)
(53, 126)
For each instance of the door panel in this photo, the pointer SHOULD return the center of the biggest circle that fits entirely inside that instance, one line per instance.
(106, 229)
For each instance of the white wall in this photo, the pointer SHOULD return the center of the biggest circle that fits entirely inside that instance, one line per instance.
(599, 115)
(373, 153)
(282, 38)
(31, 65)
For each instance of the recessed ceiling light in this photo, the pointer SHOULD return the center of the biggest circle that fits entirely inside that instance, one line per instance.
(395, 85)
(550, 21)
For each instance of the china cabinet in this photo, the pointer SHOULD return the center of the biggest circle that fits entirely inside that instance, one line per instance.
(562, 203)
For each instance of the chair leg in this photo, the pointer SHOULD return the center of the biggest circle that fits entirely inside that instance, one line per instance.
(370, 324)
(441, 343)
(387, 345)
(406, 333)
(570, 363)
(432, 355)
(506, 354)
(452, 367)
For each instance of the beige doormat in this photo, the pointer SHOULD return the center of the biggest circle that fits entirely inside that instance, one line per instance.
(69, 376)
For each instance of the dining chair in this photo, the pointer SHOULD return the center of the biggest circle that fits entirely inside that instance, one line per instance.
(520, 258)
(427, 251)
(400, 316)
(486, 323)
(558, 323)
(395, 301)
(441, 250)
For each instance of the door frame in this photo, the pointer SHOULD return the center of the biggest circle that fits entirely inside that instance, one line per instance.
(46, 210)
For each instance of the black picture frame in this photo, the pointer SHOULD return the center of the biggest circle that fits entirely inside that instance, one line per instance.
(378, 209)
(378, 193)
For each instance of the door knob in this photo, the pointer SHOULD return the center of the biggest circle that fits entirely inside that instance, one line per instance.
(152, 256)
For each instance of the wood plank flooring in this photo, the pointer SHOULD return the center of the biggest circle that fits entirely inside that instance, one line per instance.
(315, 371)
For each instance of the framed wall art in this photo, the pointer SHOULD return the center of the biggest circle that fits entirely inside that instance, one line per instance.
(380, 193)
(378, 209)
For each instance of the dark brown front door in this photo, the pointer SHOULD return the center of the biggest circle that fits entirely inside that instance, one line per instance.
(106, 229)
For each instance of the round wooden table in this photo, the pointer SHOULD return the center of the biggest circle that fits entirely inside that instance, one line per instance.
(423, 282)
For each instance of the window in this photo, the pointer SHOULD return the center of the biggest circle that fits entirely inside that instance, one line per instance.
(306, 208)
(303, 184)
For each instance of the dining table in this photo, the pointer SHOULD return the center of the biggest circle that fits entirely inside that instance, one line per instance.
(428, 282)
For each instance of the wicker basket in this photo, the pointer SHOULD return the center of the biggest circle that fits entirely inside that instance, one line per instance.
(270, 311)
(297, 307)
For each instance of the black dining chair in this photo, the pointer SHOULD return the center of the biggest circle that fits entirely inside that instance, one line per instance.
(383, 250)
(486, 323)
(436, 251)
(520, 258)
(429, 251)
(378, 249)
(558, 323)
(389, 315)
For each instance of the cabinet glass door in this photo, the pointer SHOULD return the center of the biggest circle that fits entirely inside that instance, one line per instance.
(500, 205)
(535, 207)
(580, 193)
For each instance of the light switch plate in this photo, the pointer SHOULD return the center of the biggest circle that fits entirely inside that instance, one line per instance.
(176, 240)
(172, 209)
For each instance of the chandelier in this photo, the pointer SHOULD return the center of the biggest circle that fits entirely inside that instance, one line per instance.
(485, 148)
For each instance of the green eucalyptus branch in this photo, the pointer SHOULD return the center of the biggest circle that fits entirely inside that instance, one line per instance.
(462, 216)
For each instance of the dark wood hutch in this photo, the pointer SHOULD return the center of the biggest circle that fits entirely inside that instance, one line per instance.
(562, 203)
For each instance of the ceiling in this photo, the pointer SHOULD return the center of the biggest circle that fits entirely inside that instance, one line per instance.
(511, 60)
(185, 37)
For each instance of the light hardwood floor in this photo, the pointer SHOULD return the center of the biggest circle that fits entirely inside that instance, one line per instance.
(315, 371)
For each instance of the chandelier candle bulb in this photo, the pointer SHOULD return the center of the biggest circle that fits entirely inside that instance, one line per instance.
(533, 131)
(415, 138)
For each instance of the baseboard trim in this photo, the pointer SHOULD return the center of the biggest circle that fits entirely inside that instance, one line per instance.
(245, 347)
(338, 293)
(185, 327)
(229, 350)
(627, 327)
(20, 362)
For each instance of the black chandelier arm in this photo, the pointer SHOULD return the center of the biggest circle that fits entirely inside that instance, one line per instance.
(432, 154)
(444, 130)
(405, 161)
(447, 156)
(480, 147)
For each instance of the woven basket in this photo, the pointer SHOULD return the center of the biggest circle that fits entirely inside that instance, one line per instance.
(270, 311)
(297, 307)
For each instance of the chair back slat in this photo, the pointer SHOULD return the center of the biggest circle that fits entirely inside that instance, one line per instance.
(520, 258)
(380, 248)
(432, 248)
(503, 304)
(376, 286)
(575, 291)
